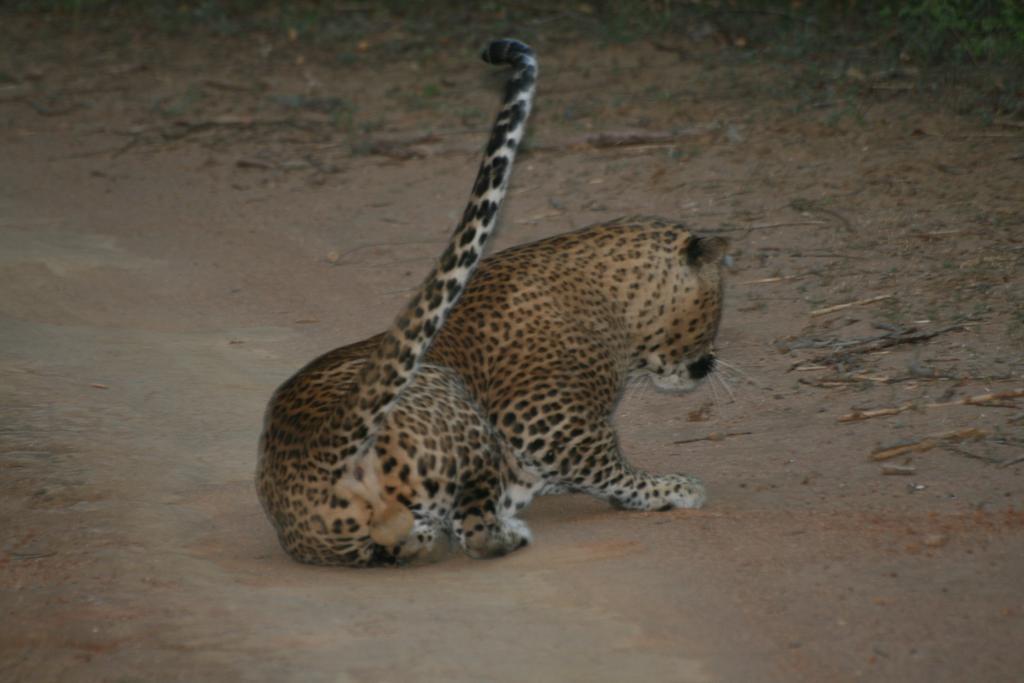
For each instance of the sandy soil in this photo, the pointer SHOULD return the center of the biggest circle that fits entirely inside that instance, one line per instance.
(183, 225)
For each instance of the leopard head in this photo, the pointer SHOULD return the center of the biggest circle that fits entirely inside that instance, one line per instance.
(683, 354)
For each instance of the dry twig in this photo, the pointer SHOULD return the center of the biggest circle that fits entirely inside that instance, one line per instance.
(904, 470)
(844, 347)
(181, 129)
(860, 378)
(973, 456)
(630, 138)
(625, 138)
(925, 444)
(713, 436)
(403, 150)
(859, 415)
(997, 399)
(810, 206)
(772, 280)
(784, 224)
(850, 304)
(255, 87)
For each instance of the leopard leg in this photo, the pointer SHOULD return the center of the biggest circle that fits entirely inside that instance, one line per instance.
(594, 464)
(427, 542)
(481, 529)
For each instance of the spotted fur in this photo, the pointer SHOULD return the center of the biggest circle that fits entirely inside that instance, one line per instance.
(547, 335)
(458, 415)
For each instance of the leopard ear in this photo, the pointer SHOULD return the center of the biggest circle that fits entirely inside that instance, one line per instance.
(701, 250)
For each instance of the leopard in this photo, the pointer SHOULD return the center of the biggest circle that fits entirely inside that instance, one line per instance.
(496, 383)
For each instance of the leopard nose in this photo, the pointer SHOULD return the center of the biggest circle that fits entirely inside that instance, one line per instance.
(700, 368)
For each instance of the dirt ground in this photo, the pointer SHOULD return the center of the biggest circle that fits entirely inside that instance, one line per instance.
(184, 223)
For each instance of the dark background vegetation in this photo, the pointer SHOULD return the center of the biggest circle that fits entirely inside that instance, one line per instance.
(974, 43)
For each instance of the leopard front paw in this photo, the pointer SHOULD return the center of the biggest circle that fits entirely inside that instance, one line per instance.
(683, 492)
(498, 539)
(666, 492)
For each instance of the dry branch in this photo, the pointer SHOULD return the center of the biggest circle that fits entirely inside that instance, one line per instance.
(973, 456)
(898, 470)
(858, 415)
(183, 128)
(803, 367)
(771, 280)
(811, 206)
(785, 224)
(898, 87)
(842, 347)
(630, 138)
(925, 444)
(992, 398)
(625, 138)
(860, 378)
(404, 149)
(255, 87)
(850, 304)
(713, 436)
(989, 399)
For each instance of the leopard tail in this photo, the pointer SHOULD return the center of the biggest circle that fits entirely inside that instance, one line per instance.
(395, 361)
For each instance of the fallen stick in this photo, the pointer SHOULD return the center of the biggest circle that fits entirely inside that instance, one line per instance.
(981, 399)
(824, 384)
(850, 304)
(834, 382)
(713, 436)
(897, 87)
(625, 138)
(811, 206)
(784, 224)
(974, 456)
(925, 444)
(843, 347)
(858, 415)
(898, 470)
(403, 149)
(258, 86)
(799, 367)
(631, 138)
(771, 280)
(881, 379)
(977, 400)
(184, 128)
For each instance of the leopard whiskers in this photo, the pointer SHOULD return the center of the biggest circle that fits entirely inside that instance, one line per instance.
(717, 377)
(716, 396)
(738, 379)
(731, 370)
(636, 384)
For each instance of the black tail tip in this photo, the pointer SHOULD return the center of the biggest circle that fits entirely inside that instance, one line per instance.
(506, 51)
